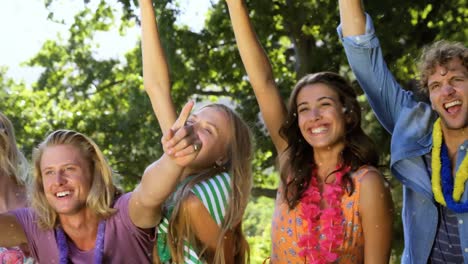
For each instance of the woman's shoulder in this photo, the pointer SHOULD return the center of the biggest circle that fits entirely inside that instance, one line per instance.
(366, 171)
(211, 194)
(370, 180)
(366, 177)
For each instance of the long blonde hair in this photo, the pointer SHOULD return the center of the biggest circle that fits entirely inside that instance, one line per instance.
(239, 167)
(102, 192)
(13, 164)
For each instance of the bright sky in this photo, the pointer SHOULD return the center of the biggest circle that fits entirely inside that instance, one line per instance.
(24, 28)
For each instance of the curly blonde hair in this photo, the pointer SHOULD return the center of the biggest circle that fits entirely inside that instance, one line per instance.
(439, 53)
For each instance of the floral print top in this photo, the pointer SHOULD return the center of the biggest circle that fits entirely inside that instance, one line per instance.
(287, 227)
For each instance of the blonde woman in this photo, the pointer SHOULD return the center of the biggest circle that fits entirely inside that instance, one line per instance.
(13, 174)
(202, 220)
(13, 168)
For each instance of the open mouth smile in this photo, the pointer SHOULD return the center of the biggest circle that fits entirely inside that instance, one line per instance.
(62, 194)
(318, 130)
(452, 107)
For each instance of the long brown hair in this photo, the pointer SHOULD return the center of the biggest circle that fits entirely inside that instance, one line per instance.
(101, 194)
(358, 150)
(238, 166)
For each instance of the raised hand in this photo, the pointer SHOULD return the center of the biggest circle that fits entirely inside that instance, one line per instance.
(156, 79)
(260, 72)
(161, 177)
(180, 142)
(353, 20)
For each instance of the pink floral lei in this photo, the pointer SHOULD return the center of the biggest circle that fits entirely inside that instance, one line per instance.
(325, 222)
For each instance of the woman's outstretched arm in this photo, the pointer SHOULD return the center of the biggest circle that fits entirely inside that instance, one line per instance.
(260, 73)
(156, 78)
(162, 176)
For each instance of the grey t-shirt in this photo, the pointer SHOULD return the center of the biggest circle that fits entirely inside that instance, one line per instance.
(123, 241)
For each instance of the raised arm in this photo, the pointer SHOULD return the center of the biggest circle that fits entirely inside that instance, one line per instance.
(385, 95)
(353, 21)
(161, 177)
(12, 234)
(259, 71)
(156, 78)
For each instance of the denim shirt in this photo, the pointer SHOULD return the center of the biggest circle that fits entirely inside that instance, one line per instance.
(410, 122)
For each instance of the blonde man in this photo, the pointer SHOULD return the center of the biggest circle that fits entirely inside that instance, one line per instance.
(77, 214)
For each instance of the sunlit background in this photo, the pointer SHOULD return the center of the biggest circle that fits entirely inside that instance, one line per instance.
(25, 26)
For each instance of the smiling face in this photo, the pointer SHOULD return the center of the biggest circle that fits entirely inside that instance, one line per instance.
(213, 127)
(66, 178)
(448, 92)
(320, 116)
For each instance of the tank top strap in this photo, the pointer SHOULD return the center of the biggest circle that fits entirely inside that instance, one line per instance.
(214, 194)
(359, 174)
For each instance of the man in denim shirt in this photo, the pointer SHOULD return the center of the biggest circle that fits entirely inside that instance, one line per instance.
(435, 215)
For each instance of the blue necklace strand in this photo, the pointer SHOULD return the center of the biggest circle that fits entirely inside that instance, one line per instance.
(98, 248)
(447, 183)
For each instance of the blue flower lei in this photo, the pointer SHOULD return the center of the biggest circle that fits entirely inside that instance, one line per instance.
(447, 183)
(98, 248)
